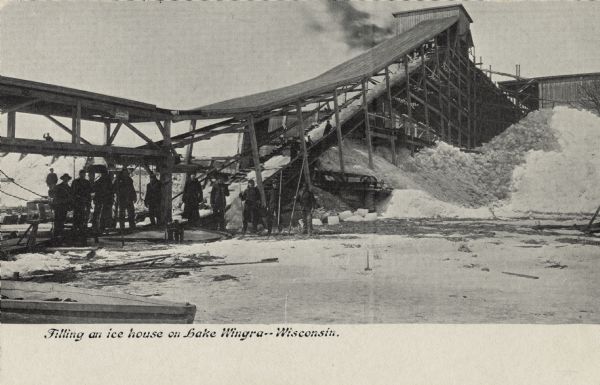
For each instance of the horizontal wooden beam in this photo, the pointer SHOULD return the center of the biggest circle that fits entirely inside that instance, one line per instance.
(42, 147)
(19, 106)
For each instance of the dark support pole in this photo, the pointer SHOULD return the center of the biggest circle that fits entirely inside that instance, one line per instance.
(338, 129)
(306, 169)
(424, 85)
(367, 124)
(166, 175)
(189, 149)
(407, 75)
(460, 103)
(106, 133)
(76, 124)
(408, 101)
(439, 85)
(256, 160)
(388, 87)
(469, 106)
(114, 133)
(11, 125)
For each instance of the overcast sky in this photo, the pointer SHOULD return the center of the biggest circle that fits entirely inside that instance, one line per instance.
(187, 54)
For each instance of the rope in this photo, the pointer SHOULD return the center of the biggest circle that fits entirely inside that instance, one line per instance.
(23, 187)
(14, 196)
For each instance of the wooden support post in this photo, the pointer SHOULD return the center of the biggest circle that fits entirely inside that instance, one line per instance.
(166, 175)
(11, 124)
(460, 104)
(469, 109)
(367, 123)
(424, 85)
(407, 75)
(390, 109)
(338, 129)
(113, 134)
(256, 160)
(305, 160)
(190, 147)
(76, 124)
(106, 133)
(439, 85)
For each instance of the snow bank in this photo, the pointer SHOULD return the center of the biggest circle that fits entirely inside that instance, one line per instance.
(548, 162)
(564, 180)
(419, 204)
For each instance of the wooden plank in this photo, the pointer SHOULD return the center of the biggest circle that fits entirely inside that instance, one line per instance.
(42, 147)
(367, 124)
(256, 160)
(19, 106)
(11, 124)
(76, 124)
(338, 129)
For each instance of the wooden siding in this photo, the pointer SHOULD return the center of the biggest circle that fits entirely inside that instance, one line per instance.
(566, 91)
(404, 22)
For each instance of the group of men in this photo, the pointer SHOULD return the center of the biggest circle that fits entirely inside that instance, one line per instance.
(254, 212)
(119, 192)
(104, 193)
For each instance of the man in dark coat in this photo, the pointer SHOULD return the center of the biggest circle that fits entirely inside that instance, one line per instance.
(82, 194)
(51, 181)
(251, 199)
(218, 201)
(103, 201)
(192, 197)
(308, 202)
(153, 198)
(126, 196)
(61, 204)
(271, 209)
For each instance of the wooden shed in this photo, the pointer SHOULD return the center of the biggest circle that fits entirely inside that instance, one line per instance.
(408, 19)
(551, 91)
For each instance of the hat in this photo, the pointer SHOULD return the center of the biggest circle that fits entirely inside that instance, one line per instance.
(65, 177)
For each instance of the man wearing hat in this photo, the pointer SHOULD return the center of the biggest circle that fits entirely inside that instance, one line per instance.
(271, 209)
(192, 197)
(126, 197)
(61, 204)
(103, 201)
(153, 199)
(51, 181)
(218, 201)
(82, 193)
(251, 213)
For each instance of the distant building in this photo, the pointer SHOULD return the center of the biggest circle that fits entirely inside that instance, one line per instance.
(550, 91)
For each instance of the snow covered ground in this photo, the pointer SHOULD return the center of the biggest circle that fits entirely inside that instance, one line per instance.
(421, 271)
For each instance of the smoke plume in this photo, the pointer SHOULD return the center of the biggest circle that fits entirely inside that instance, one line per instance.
(359, 32)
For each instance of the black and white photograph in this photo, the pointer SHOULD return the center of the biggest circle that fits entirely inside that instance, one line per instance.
(305, 163)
